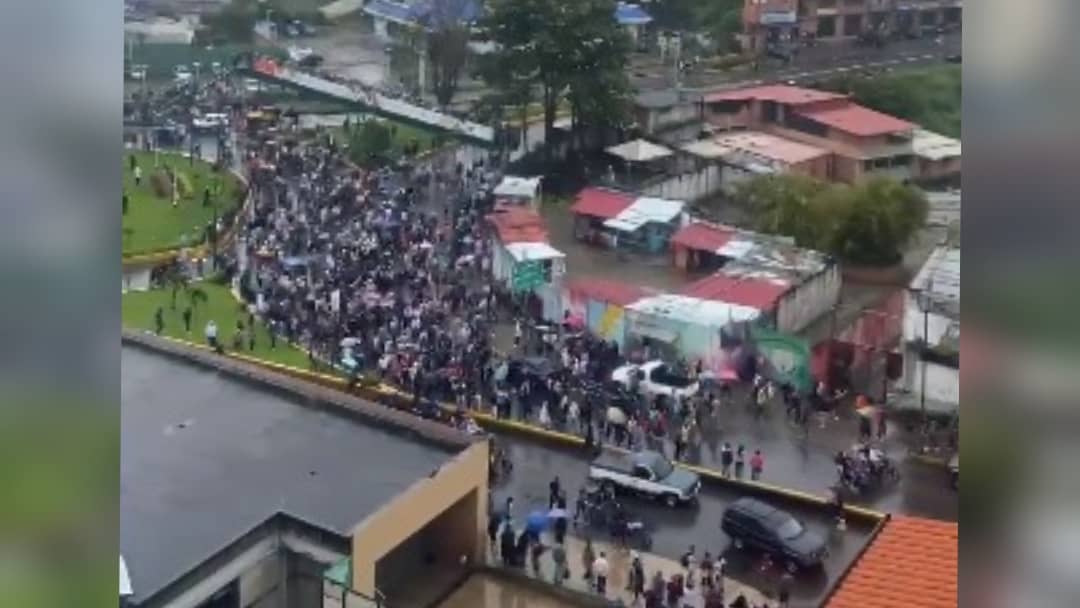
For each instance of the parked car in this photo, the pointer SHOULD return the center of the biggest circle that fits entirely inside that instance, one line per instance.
(210, 121)
(655, 378)
(647, 473)
(750, 522)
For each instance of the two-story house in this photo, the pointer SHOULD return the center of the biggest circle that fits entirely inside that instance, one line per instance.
(862, 142)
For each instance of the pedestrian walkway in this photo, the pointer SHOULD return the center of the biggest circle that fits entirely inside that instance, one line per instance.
(619, 560)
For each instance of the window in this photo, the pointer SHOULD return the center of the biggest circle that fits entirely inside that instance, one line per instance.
(769, 111)
(662, 467)
(852, 25)
(868, 165)
(928, 18)
(806, 125)
(826, 27)
(641, 472)
(789, 529)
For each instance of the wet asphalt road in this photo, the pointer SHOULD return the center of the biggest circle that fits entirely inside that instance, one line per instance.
(674, 530)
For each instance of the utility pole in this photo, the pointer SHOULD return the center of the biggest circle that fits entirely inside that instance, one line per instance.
(922, 355)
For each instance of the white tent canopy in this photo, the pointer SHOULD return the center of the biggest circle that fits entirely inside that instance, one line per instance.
(639, 150)
(518, 187)
(645, 210)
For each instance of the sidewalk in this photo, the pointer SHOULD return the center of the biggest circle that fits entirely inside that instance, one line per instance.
(619, 562)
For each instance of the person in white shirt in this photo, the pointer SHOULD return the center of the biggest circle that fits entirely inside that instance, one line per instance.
(600, 571)
(211, 334)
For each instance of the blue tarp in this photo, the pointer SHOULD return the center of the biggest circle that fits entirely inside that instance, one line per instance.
(391, 11)
(631, 14)
(421, 11)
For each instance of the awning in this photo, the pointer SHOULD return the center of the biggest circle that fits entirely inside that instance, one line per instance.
(639, 150)
(524, 252)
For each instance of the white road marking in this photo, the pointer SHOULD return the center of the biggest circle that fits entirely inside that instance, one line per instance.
(912, 58)
(857, 66)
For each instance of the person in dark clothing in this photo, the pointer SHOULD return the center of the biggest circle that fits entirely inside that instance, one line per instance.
(506, 545)
(494, 521)
(560, 529)
(186, 316)
(553, 492)
(124, 203)
(159, 321)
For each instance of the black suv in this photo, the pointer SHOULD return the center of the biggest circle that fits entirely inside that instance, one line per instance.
(753, 523)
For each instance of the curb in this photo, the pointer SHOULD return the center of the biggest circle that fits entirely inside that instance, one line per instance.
(382, 391)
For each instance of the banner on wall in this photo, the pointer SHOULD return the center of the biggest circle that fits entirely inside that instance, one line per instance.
(787, 358)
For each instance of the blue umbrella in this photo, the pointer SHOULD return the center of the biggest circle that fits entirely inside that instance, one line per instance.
(536, 522)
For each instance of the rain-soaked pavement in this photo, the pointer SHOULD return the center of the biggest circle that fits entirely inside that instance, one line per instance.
(674, 530)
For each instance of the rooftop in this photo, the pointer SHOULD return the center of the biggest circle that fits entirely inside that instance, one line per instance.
(645, 210)
(696, 311)
(704, 236)
(768, 146)
(206, 459)
(780, 93)
(518, 225)
(940, 276)
(760, 292)
(934, 146)
(657, 98)
(857, 120)
(517, 187)
(607, 290)
(601, 202)
(911, 562)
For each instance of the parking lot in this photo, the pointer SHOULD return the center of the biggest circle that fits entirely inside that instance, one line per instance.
(674, 530)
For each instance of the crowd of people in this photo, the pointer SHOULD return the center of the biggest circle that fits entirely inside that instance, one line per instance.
(696, 583)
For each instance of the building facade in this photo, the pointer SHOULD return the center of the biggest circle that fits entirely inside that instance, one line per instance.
(931, 336)
(863, 143)
(767, 21)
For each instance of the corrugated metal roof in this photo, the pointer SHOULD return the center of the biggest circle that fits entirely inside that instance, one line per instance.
(934, 146)
(912, 562)
(646, 210)
(857, 120)
(601, 202)
(607, 290)
(760, 292)
(518, 225)
(695, 311)
(511, 185)
(704, 236)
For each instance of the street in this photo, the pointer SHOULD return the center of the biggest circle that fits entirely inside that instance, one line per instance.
(674, 530)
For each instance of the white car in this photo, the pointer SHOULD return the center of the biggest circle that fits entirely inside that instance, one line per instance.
(210, 121)
(656, 378)
(298, 54)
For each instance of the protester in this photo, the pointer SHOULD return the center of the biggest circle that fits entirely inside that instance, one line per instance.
(757, 465)
(600, 571)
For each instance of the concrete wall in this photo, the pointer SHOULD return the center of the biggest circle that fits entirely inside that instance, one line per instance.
(262, 586)
(414, 509)
(942, 383)
(688, 187)
(806, 303)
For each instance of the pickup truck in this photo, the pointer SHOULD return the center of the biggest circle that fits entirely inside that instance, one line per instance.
(655, 378)
(646, 472)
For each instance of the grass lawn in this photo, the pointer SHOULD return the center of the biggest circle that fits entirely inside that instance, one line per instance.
(152, 223)
(138, 308)
(401, 135)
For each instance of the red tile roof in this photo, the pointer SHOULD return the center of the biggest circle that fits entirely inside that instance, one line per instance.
(911, 562)
(601, 202)
(758, 293)
(606, 290)
(514, 224)
(780, 93)
(703, 236)
(857, 120)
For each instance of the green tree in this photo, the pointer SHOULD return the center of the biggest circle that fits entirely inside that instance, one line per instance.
(447, 45)
(868, 223)
(235, 22)
(559, 44)
(370, 143)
